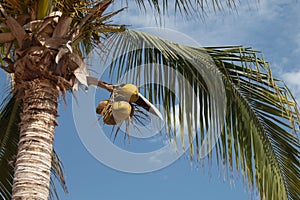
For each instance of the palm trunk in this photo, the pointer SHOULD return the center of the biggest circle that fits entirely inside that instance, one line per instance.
(38, 120)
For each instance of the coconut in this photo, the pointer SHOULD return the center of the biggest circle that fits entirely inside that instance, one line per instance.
(126, 92)
(109, 118)
(121, 110)
(101, 106)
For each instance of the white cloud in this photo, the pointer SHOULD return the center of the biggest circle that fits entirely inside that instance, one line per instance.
(154, 159)
(292, 79)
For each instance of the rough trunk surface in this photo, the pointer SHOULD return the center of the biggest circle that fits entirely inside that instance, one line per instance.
(38, 120)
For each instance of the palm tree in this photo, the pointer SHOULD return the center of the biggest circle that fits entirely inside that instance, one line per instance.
(44, 43)
(9, 120)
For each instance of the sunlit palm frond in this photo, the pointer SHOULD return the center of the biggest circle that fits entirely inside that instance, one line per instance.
(255, 132)
(9, 138)
(90, 21)
(85, 23)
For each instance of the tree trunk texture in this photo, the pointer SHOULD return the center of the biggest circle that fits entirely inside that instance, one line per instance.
(38, 120)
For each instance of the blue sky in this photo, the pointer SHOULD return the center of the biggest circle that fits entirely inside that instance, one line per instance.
(270, 26)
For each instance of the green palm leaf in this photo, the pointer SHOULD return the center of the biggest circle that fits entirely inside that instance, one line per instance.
(259, 115)
(259, 134)
(9, 138)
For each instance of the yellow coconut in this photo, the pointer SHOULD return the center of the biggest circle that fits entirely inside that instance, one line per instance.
(121, 110)
(126, 92)
(101, 106)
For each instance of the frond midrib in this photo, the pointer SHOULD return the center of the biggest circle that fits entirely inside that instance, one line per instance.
(263, 131)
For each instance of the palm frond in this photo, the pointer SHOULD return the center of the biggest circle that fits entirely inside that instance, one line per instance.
(186, 7)
(43, 8)
(57, 174)
(15, 7)
(84, 24)
(9, 138)
(257, 130)
(265, 108)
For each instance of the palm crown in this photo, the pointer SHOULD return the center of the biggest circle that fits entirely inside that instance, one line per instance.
(257, 125)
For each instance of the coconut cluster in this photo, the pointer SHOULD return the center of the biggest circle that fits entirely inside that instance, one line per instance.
(120, 107)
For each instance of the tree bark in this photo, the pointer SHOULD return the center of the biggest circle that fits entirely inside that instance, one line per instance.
(38, 120)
